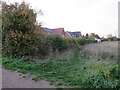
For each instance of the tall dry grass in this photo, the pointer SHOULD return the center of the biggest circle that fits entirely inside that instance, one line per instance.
(101, 51)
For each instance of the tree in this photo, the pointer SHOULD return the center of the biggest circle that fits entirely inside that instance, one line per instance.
(92, 36)
(18, 20)
(97, 36)
(86, 36)
(18, 17)
(109, 35)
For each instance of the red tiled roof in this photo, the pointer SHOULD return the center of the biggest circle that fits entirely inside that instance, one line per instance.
(67, 34)
(59, 31)
(56, 31)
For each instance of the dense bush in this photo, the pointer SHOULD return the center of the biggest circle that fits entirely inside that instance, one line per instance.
(18, 23)
(57, 42)
(18, 45)
(110, 39)
(100, 74)
(82, 41)
(113, 39)
(18, 17)
(118, 39)
(44, 47)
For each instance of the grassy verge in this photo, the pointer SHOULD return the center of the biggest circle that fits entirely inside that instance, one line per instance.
(76, 72)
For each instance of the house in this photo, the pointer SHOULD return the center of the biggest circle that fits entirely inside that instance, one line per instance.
(75, 34)
(68, 35)
(59, 31)
(56, 31)
(46, 31)
(97, 39)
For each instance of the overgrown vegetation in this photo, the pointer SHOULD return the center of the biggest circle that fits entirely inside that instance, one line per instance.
(101, 51)
(76, 72)
(31, 45)
(21, 47)
(20, 17)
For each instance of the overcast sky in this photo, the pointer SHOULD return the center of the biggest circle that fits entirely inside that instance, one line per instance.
(87, 16)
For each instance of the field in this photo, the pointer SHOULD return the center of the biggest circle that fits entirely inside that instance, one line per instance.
(75, 71)
(101, 51)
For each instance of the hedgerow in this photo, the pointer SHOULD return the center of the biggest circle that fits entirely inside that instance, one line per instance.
(30, 45)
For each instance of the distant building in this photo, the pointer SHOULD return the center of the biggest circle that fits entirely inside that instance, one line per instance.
(98, 39)
(68, 35)
(58, 31)
(75, 34)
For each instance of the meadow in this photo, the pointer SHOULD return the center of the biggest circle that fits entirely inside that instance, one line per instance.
(107, 50)
(75, 71)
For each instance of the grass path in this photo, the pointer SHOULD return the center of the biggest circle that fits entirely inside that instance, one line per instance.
(76, 72)
(20, 79)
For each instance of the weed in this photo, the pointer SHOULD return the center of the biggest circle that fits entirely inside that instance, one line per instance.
(51, 83)
(66, 84)
(59, 84)
(60, 87)
(77, 72)
(23, 76)
(35, 79)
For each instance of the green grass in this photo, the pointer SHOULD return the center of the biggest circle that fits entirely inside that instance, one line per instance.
(0, 60)
(23, 76)
(76, 72)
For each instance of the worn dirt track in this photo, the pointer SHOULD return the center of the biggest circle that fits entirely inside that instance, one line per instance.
(12, 79)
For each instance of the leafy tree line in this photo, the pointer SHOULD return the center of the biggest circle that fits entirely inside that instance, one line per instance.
(109, 37)
(21, 40)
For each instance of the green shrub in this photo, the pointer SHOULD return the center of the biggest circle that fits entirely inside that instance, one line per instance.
(57, 42)
(118, 39)
(99, 81)
(20, 17)
(18, 45)
(82, 41)
(100, 74)
(43, 46)
(30, 45)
